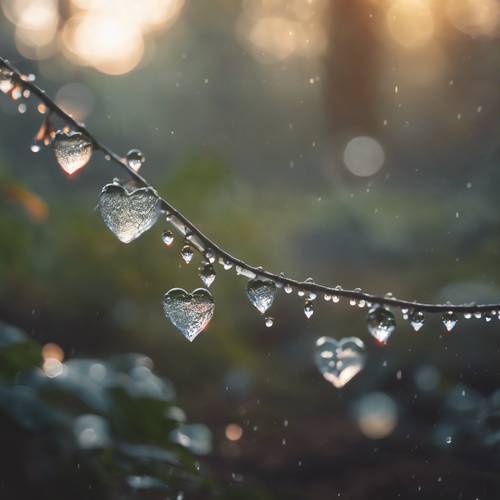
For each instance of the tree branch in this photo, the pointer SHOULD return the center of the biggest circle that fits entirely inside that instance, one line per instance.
(207, 246)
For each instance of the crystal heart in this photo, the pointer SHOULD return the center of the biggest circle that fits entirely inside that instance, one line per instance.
(73, 150)
(339, 361)
(129, 214)
(189, 312)
(261, 294)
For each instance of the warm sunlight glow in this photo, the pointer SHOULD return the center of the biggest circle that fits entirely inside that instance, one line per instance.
(474, 17)
(410, 22)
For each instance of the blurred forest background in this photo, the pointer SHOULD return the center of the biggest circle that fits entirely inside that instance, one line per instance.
(354, 141)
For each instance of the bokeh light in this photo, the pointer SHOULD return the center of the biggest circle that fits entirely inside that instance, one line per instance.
(377, 415)
(234, 432)
(474, 17)
(363, 156)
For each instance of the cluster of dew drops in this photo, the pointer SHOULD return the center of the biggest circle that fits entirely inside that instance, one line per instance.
(128, 211)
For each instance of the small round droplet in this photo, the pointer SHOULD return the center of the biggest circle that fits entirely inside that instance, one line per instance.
(448, 440)
(288, 288)
(207, 274)
(135, 159)
(467, 315)
(227, 264)
(6, 81)
(269, 321)
(35, 148)
(308, 309)
(327, 297)
(417, 320)
(478, 315)
(487, 317)
(335, 299)
(72, 150)
(167, 237)
(449, 320)
(352, 302)
(381, 323)
(210, 255)
(187, 253)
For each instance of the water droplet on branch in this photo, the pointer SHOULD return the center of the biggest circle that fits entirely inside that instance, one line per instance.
(449, 320)
(73, 150)
(187, 253)
(128, 214)
(308, 309)
(417, 320)
(135, 159)
(207, 274)
(167, 238)
(261, 294)
(339, 361)
(189, 312)
(381, 323)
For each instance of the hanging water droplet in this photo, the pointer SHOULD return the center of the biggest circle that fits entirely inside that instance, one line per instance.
(135, 159)
(187, 253)
(335, 299)
(210, 255)
(352, 302)
(301, 292)
(381, 323)
(207, 274)
(417, 320)
(227, 264)
(308, 309)
(269, 321)
(327, 297)
(467, 315)
(361, 303)
(189, 312)
(35, 148)
(449, 439)
(6, 81)
(72, 150)
(288, 288)
(167, 237)
(449, 320)
(340, 361)
(261, 294)
(128, 214)
(478, 315)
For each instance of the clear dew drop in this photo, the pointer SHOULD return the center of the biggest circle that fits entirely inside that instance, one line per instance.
(308, 309)
(261, 294)
(478, 315)
(35, 148)
(269, 322)
(167, 238)
(128, 214)
(207, 274)
(6, 81)
(340, 361)
(467, 315)
(381, 323)
(210, 256)
(73, 150)
(449, 320)
(327, 297)
(226, 264)
(288, 288)
(187, 253)
(189, 312)
(335, 299)
(135, 158)
(487, 317)
(417, 320)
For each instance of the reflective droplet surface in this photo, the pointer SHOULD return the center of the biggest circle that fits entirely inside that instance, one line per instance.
(288, 288)
(449, 320)
(269, 321)
(135, 159)
(417, 320)
(339, 361)
(308, 309)
(73, 150)
(167, 237)
(6, 82)
(381, 323)
(187, 253)
(207, 274)
(261, 294)
(189, 312)
(128, 214)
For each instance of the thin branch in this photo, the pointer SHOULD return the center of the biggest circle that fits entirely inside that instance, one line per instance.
(205, 245)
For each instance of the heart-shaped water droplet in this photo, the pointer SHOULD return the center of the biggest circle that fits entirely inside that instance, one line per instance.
(449, 320)
(339, 361)
(261, 294)
(381, 323)
(207, 274)
(128, 214)
(135, 159)
(417, 320)
(73, 150)
(189, 312)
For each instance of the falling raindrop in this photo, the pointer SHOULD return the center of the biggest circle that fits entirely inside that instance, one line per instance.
(308, 309)
(187, 253)
(189, 312)
(207, 274)
(261, 294)
(167, 237)
(135, 159)
(128, 214)
(73, 150)
(449, 320)
(269, 321)
(417, 320)
(339, 361)
(381, 323)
